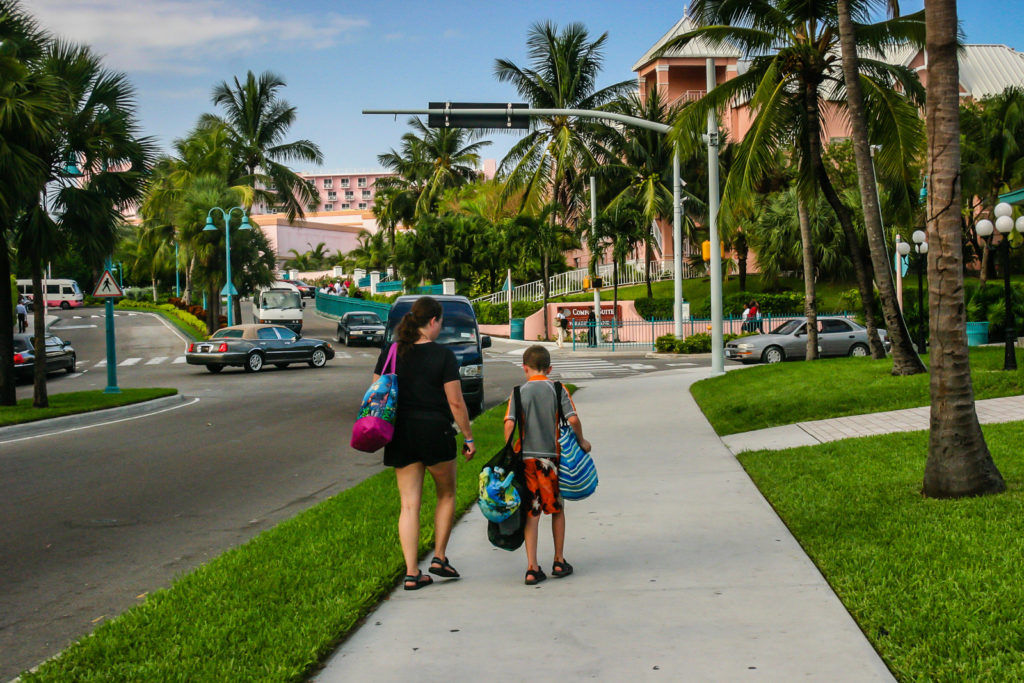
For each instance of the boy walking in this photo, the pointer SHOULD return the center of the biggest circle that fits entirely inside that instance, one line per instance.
(540, 458)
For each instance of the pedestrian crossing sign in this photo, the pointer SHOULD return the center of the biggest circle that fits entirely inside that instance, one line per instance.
(107, 286)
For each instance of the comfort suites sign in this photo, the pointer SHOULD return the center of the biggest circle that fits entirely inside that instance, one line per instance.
(579, 313)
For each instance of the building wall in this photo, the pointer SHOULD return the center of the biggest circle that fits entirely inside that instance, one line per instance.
(339, 231)
(346, 191)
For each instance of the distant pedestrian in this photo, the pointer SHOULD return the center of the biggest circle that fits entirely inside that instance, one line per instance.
(22, 316)
(540, 452)
(745, 318)
(591, 328)
(563, 326)
(429, 398)
(755, 317)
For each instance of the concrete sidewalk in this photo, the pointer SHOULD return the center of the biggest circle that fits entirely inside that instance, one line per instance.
(683, 573)
(990, 410)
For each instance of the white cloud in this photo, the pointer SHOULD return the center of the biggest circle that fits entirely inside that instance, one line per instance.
(180, 35)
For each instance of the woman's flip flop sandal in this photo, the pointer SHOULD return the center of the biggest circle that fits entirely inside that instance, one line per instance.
(418, 581)
(443, 569)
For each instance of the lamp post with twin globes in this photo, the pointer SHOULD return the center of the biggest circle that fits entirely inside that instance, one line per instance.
(921, 248)
(1005, 225)
(229, 287)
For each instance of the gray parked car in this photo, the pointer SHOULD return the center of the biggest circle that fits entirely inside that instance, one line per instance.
(788, 341)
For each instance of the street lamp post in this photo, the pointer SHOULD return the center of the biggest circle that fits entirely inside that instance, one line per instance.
(921, 247)
(229, 287)
(1005, 225)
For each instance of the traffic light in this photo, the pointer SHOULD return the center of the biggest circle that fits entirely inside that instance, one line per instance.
(501, 118)
(705, 249)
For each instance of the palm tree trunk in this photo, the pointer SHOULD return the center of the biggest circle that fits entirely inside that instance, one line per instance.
(959, 463)
(544, 288)
(810, 302)
(647, 267)
(39, 397)
(845, 220)
(8, 394)
(905, 360)
(153, 281)
(983, 274)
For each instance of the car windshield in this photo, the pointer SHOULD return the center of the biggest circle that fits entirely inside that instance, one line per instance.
(280, 299)
(363, 320)
(457, 329)
(21, 345)
(788, 327)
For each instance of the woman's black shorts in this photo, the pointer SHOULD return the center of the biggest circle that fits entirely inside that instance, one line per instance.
(420, 438)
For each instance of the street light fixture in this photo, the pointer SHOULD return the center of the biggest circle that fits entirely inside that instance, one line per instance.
(1005, 225)
(229, 288)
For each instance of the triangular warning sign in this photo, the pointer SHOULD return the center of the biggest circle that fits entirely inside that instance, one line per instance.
(107, 286)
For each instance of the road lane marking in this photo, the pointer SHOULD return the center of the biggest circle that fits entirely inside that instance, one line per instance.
(194, 400)
(70, 327)
(156, 361)
(101, 363)
(129, 361)
(179, 359)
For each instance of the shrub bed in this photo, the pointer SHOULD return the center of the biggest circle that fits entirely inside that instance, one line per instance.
(695, 343)
(182, 317)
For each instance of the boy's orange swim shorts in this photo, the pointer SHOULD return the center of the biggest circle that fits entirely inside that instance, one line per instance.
(542, 482)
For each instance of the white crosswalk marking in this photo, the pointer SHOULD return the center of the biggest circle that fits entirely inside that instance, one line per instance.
(101, 363)
(179, 359)
(156, 361)
(129, 361)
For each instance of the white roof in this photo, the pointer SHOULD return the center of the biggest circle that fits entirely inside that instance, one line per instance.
(987, 70)
(699, 47)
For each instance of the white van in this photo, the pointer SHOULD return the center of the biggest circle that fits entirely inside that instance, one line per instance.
(279, 304)
(59, 292)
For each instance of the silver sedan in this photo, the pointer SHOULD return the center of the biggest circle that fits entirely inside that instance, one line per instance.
(788, 341)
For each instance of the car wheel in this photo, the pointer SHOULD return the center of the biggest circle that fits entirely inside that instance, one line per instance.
(71, 367)
(859, 350)
(214, 368)
(319, 358)
(346, 340)
(254, 362)
(773, 354)
(281, 365)
(64, 305)
(337, 336)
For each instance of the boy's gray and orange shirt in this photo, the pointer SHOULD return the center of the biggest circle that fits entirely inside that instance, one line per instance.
(540, 416)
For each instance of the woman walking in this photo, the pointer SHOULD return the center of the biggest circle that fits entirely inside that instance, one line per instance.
(429, 398)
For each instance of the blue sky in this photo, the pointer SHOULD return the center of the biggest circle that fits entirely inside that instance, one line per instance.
(340, 58)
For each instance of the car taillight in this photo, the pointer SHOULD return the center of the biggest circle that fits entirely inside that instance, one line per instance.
(191, 348)
(223, 348)
(18, 358)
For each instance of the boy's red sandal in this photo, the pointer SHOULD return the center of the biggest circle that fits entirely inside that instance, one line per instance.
(560, 569)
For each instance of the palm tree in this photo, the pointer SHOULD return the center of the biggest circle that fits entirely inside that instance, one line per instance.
(98, 134)
(792, 49)
(959, 463)
(904, 359)
(622, 226)
(539, 236)
(548, 164)
(992, 158)
(29, 102)
(258, 122)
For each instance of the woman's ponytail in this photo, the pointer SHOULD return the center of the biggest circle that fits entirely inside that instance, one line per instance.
(422, 312)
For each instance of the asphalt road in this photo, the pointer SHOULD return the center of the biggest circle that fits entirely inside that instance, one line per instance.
(97, 518)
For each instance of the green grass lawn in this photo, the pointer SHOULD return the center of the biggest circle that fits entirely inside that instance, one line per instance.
(934, 584)
(772, 395)
(77, 402)
(271, 609)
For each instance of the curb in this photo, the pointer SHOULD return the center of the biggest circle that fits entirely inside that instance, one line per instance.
(89, 419)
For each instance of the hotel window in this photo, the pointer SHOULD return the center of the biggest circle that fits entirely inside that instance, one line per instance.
(361, 182)
(345, 206)
(332, 195)
(349, 194)
(328, 207)
(362, 205)
(328, 182)
(366, 194)
(344, 182)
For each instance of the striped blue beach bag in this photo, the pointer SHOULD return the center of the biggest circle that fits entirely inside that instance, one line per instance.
(577, 475)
